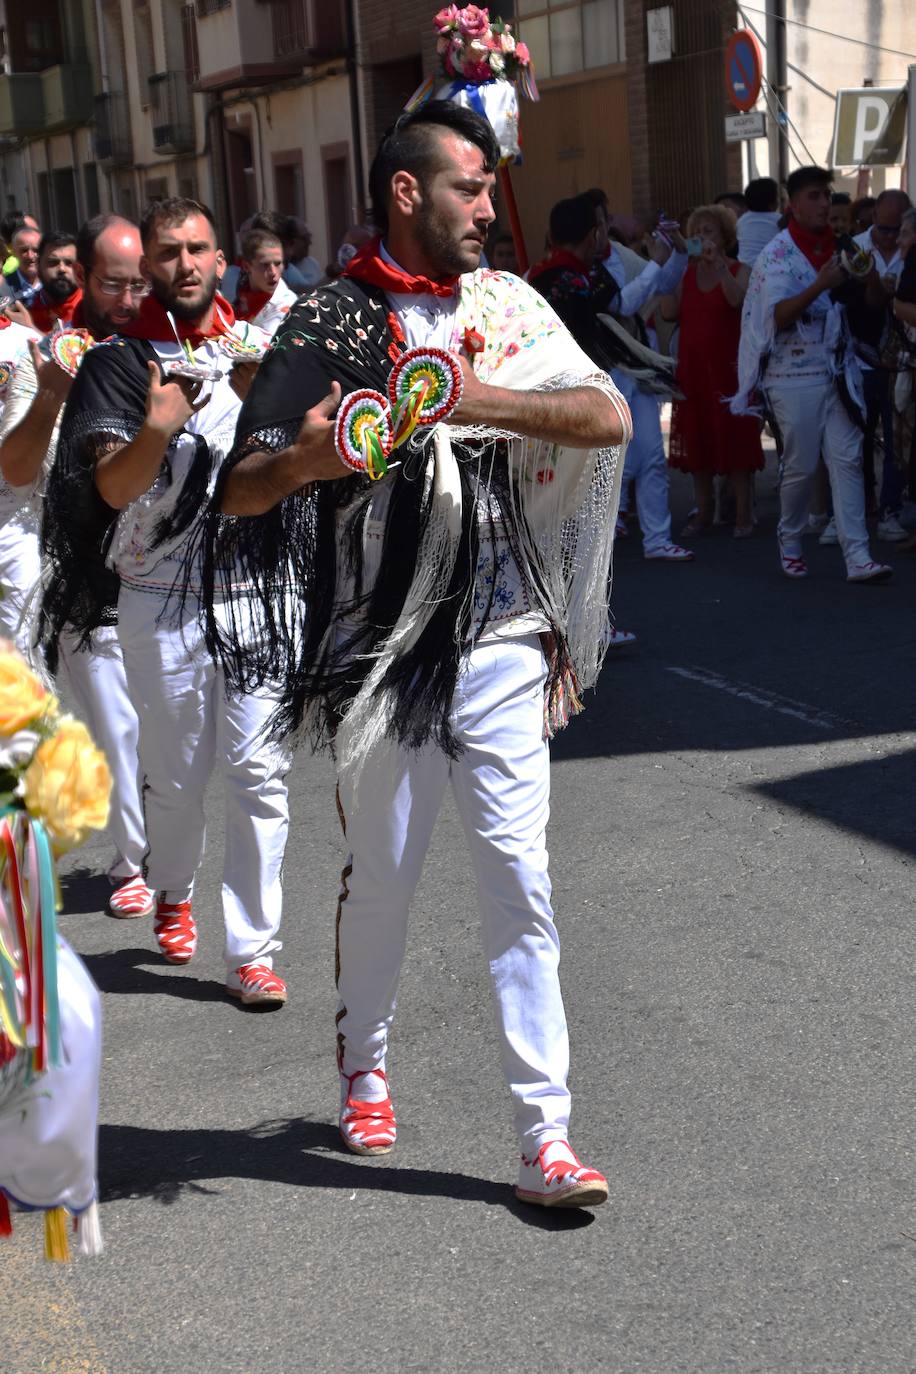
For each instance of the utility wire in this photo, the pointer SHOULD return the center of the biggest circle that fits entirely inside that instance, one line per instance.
(831, 95)
(828, 33)
(789, 121)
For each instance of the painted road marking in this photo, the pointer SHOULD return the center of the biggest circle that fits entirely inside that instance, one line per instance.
(759, 696)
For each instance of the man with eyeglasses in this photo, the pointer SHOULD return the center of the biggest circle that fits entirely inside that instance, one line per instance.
(882, 241)
(108, 269)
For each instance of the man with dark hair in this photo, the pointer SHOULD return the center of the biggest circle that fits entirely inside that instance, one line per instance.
(796, 352)
(566, 277)
(760, 222)
(502, 253)
(108, 270)
(882, 241)
(60, 294)
(428, 663)
(149, 421)
(840, 216)
(15, 219)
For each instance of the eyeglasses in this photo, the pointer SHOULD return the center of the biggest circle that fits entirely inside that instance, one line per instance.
(137, 289)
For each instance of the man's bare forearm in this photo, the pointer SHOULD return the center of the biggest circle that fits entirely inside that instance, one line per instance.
(576, 417)
(788, 311)
(24, 448)
(260, 481)
(123, 474)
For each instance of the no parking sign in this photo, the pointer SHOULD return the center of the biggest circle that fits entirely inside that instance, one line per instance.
(743, 70)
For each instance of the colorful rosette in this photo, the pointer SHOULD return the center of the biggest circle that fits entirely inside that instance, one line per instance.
(425, 386)
(363, 435)
(68, 348)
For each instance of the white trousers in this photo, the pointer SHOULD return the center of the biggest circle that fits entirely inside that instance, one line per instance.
(20, 568)
(188, 724)
(501, 785)
(813, 420)
(646, 466)
(98, 682)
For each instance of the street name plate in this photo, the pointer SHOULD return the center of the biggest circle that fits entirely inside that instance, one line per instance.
(739, 126)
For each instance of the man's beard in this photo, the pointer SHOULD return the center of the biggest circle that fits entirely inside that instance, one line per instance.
(100, 323)
(184, 309)
(448, 254)
(59, 288)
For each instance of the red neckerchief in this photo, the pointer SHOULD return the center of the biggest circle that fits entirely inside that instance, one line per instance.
(248, 302)
(559, 257)
(5, 321)
(153, 324)
(46, 316)
(818, 248)
(370, 267)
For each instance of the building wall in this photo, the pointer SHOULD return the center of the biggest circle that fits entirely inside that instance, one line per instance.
(821, 63)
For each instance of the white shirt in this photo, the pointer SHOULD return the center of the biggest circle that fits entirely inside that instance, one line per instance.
(887, 267)
(655, 279)
(755, 229)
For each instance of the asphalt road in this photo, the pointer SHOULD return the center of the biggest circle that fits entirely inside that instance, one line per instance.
(732, 849)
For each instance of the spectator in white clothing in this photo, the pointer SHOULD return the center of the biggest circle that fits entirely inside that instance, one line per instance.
(760, 222)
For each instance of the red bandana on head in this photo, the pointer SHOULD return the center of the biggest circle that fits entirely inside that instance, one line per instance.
(370, 267)
(817, 247)
(46, 316)
(153, 324)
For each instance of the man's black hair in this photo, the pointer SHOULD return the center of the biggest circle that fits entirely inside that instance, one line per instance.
(11, 224)
(411, 146)
(55, 238)
(572, 219)
(803, 177)
(173, 210)
(89, 232)
(598, 198)
(841, 198)
(737, 196)
(762, 195)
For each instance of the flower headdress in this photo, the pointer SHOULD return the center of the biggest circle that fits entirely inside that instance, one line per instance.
(474, 48)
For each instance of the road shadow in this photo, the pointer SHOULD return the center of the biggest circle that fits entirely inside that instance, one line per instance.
(84, 891)
(874, 798)
(124, 970)
(138, 1162)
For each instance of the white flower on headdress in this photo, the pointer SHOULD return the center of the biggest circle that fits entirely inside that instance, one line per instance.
(17, 750)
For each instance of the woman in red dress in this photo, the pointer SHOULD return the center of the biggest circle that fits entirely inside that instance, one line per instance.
(706, 439)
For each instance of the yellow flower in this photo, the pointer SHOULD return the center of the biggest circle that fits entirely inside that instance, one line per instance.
(67, 784)
(23, 699)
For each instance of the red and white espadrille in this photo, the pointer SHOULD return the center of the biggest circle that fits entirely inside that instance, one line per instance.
(176, 931)
(556, 1177)
(367, 1128)
(132, 898)
(256, 985)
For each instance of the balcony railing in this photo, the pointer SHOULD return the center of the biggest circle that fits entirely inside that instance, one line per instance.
(42, 102)
(172, 112)
(112, 129)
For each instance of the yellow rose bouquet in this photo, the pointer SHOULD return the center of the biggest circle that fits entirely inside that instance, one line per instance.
(54, 789)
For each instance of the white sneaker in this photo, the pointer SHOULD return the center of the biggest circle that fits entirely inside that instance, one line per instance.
(891, 531)
(616, 639)
(671, 553)
(869, 572)
(830, 535)
(556, 1177)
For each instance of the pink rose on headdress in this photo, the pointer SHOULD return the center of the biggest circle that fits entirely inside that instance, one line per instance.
(473, 21)
(446, 17)
(522, 53)
(506, 41)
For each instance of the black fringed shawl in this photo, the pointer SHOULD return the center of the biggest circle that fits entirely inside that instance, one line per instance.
(301, 563)
(106, 406)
